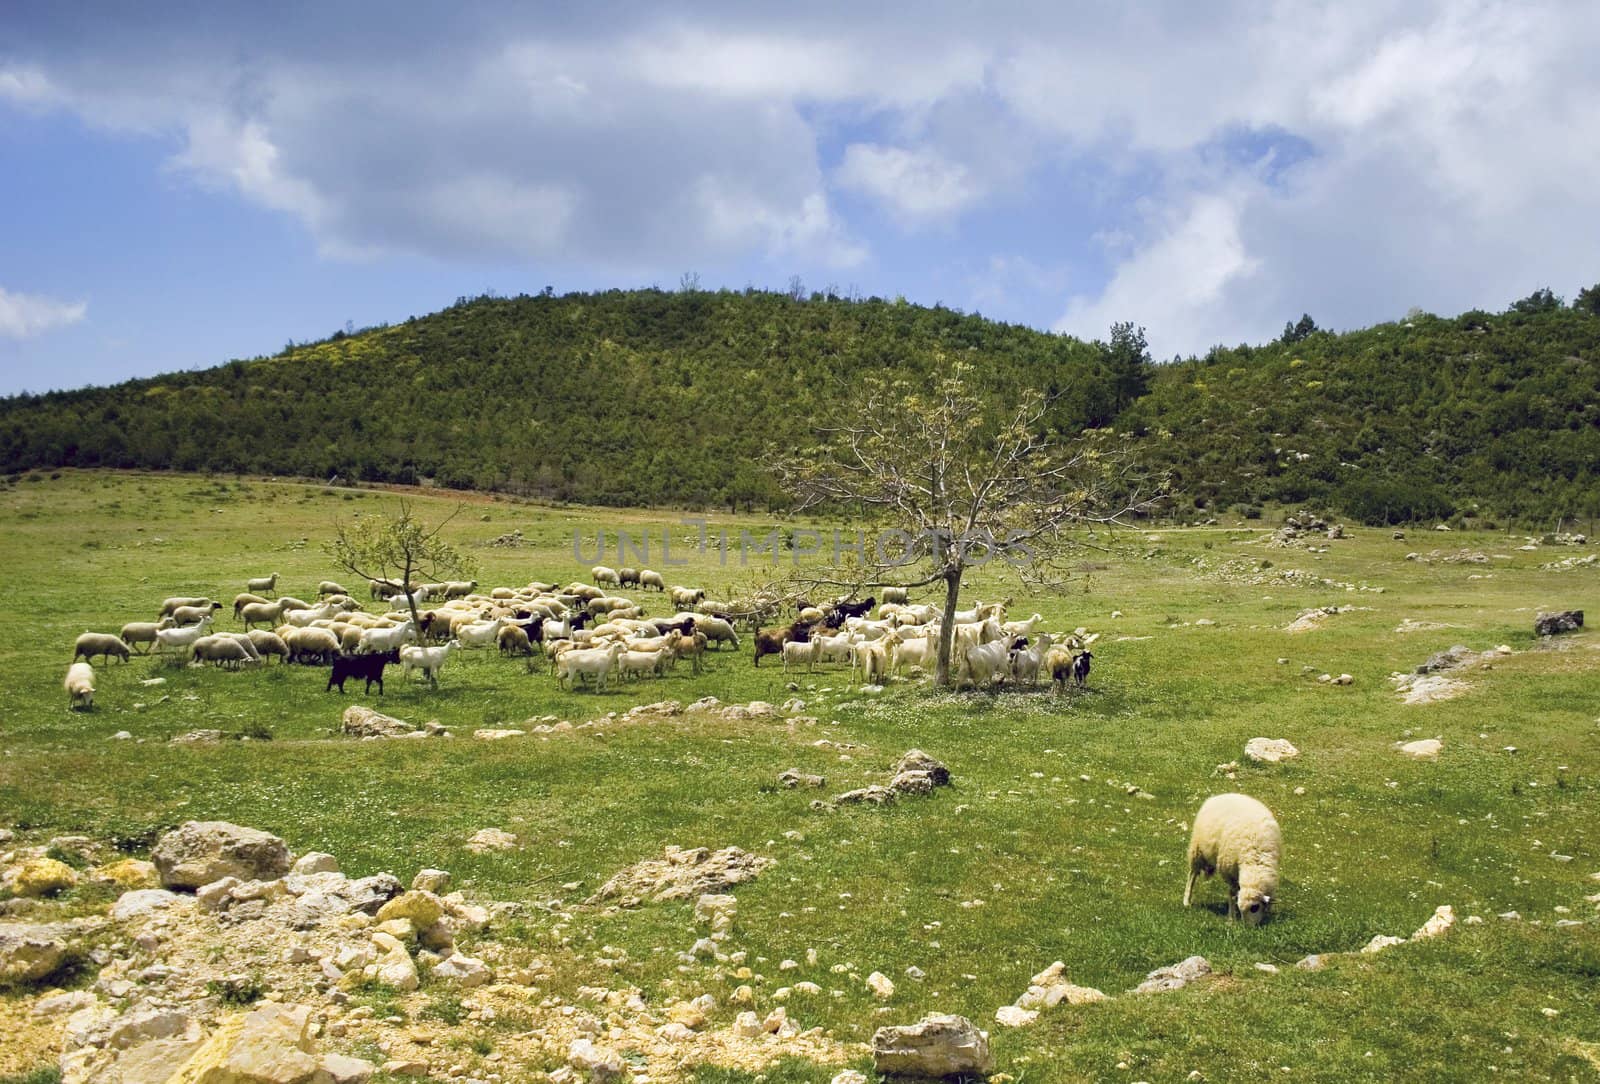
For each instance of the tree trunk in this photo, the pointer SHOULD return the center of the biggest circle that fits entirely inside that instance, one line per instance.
(947, 628)
(411, 600)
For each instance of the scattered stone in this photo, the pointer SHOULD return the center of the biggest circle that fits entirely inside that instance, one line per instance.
(747, 1025)
(1175, 977)
(794, 777)
(881, 985)
(395, 967)
(1270, 750)
(491, 734)
(1425, 749)
(142, 902)
(315, 862)
(41, 877)
(1380, 942)
(916, 760)
(939, 1045)
(1050, 988)
(491, 839)
(1013, 1017)
(1344, 679)
(431, 880)
(200, 852)
(912, 782)
(601, 1063)
(466, 972)
(1314, 962)
(679, 874)
(1443, 918)
(1266, 968)
(271, 1044)
(127, 874)
(849, 1076)
(873, 795)
(347, 1070)
(363, 722)
(1553, 624)
(422, 909)
(405, 1067)
(30, 953)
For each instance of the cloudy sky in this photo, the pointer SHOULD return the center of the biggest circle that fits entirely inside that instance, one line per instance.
(184, 184)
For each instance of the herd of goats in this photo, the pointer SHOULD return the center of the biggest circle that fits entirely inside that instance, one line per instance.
(588, 635)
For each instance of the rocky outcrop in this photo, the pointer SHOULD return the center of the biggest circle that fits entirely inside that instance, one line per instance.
(1553, 624)
(937, 1046)
(30, 953)
(679, 874)
(199, 852)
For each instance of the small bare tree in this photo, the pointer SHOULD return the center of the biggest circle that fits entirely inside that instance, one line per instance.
(960, 480)
(393, 549)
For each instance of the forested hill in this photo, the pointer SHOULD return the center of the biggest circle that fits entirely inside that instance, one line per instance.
(647, 398)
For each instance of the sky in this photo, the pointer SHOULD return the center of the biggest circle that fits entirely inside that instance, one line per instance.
(184, 184)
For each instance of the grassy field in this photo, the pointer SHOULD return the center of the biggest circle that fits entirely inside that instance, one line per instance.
(1042, 824)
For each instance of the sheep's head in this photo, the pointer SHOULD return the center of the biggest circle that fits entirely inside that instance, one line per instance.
(1254, 905)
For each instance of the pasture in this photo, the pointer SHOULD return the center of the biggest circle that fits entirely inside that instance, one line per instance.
(1061, 838)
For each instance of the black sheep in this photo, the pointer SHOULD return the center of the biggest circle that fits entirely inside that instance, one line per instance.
(369, 667)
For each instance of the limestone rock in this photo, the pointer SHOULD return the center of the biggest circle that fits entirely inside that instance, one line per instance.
(315, 862)
(1442, 919)
(365, 723)
(216, 895)
(30, 953)
(601, 1063)
(41, 877)
(368, 894)
(1270, 750)
(466, 972)
(1426, 749)
(1555, 623)
(143, 901)
(395, 967)
(1013, 1017)
(873, 795)
(493, 734)
(199, 852)
(485, 840)
(421, 908)
(343, 1069)
(938, 1045)
(916, 760)
(881, 985)
(679, 874)
(747, 1025)
(1381, 942)
(271, 1044)
(431, 880)
(849, 1076)
(1174, 977)
(128, 874)
(912, 782)
(794, 777)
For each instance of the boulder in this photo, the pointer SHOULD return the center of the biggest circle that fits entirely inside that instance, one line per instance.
(916, 760)
(30, 953)
(1270, 750)
(129, 873)
(368, 894)
(1426, 749)
(200, 852)
(873, 795)
(141, 902)
(466, 972)
(1552, 624)
(599, 1063)
(42, 877)
(395, 967)
(315, 862)
(912, 782)
(422, 909)
(363, 722)
(342, 1069)
(491, 839)
(431, 880)
(939, 1045)
(794, 777)
(1174, 977)
(271, 1044)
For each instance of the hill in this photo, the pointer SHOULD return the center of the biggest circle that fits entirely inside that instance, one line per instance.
(647, 398)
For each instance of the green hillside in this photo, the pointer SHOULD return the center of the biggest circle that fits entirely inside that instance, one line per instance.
(647, 397)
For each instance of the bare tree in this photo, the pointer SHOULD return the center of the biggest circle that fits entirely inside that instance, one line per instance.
(393, 549)
(958, 479)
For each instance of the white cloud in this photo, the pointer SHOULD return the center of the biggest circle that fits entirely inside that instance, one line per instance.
(915, 185)
(23, 316)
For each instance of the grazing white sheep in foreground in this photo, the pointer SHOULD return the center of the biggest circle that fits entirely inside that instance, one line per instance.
(182, 600)
(263, 585)
(90, 644)
(224, 650)
(79, 684)
(1237, 838)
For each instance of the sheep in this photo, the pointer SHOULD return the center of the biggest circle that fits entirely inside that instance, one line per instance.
(223, 650)
(139, 632)
(639, 663)
(330, 587)
(304, 643)
(603, 574)
(479, 633)
(685, 598)
(264, 585)
(79, 684)
(261, 613)
(91, 644)
(269, 643)
(182, 600)
(871, 657)
(810, 615)
(191, 615)
(717, 631)
(459, 588)
(1238, 838)
(427, 659)
(651, 578)
(895, 594)
(513, 640)
(627, 577)
(368, 667)
(987, 663)
(240, 601)
(914, 651)
(834, 648)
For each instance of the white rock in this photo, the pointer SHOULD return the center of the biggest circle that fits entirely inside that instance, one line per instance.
(1270, 750)
(1443, 918)
(1380, 942)
(938, 1045)
(601, 1063)
(1426, 749)
(466, 972)
(747, 1025)
(142, 902)
(315, 862)
(491, 839)
(881, 985)
(1013, 1017)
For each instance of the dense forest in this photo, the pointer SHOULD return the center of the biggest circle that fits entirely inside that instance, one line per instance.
(649, 397)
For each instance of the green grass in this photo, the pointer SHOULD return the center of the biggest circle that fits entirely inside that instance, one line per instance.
(1070, 869)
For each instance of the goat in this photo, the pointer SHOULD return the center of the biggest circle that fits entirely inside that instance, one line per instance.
(369, 666)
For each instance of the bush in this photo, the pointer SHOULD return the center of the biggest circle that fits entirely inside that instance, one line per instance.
(1385, 502)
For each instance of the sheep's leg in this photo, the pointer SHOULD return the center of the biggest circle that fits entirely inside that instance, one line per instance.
(1188, 888)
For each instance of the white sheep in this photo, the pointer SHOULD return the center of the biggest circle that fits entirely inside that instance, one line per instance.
(1023, 628)
(894, 594)
(330, 587)
(459, 588)
(263, 585)
(269, 643)
(303, 642)
(1027, 662)
(686, 597)
(796, 652)
(651, 578)
(262, 613)
(90, 644)
(79, 684)
(182, 600)
(139, 632)
(1238, 838)
(480, 633)
(224, 650)
(191, 615)
(602, 574)
(987, 663)
(717, 631)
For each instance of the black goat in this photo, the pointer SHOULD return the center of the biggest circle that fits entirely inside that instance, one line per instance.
(369, 667)
(855, 609)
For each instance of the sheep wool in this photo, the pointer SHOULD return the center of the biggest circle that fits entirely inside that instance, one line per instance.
(1237, 838)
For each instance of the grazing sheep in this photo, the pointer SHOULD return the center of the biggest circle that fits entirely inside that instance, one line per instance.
(602, 574)
(651, 578)
(139, 632)
(79, 684)
(192, 615)
(182, 600)
(269, 643)
(306, 644)
(91, 644)
(513, 640)
(627, 577)
(1237, 838)
(262, 613)
(686, 598)
(329, 587)
(183, 638)
(264, 585)
(459, 588)
(242, 600)
(223, 650)
(895, 594)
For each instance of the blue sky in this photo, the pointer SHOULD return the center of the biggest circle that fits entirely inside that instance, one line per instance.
(188, 184)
